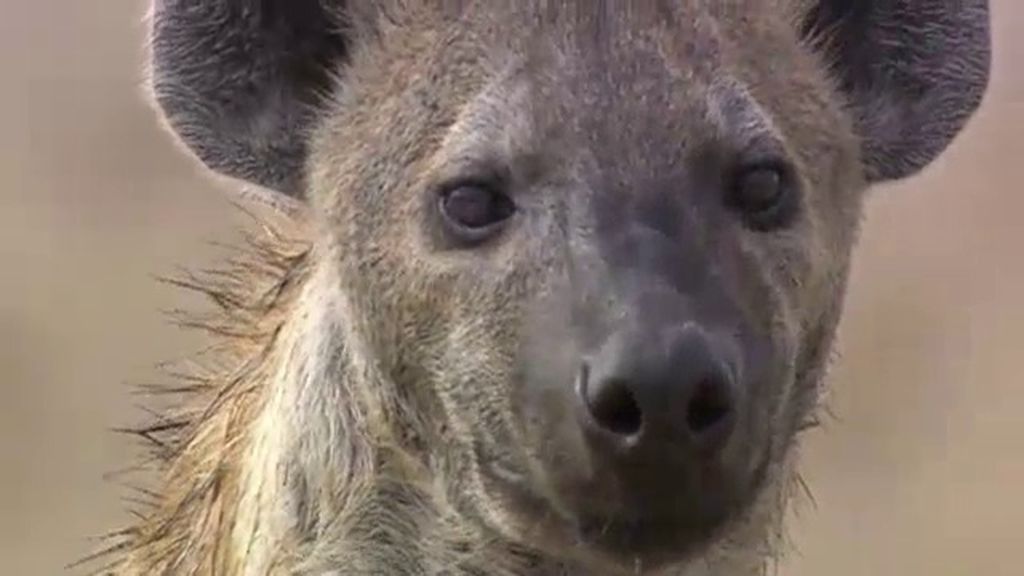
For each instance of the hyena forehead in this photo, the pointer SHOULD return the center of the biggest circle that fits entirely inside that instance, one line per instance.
(638, 60)
(504, 81)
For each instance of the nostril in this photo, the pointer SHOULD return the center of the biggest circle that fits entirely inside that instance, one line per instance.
(710, 406)
(612, 405)
(615, 408)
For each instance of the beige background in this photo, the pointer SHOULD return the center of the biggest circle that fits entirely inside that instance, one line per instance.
(920, 474)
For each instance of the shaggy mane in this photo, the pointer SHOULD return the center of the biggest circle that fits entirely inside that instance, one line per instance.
(193, 420)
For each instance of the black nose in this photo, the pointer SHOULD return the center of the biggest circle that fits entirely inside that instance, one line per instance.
(674, 390)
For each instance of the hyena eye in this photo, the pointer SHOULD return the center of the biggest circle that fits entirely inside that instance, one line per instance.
(765, 195)
(474, 211)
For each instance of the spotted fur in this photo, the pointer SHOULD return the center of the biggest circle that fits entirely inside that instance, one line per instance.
(361, 414)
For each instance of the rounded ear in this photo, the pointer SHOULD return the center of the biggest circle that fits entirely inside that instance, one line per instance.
(238, 81)
(915, 71)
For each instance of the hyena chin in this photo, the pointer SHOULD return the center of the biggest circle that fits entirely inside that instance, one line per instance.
(564, 280)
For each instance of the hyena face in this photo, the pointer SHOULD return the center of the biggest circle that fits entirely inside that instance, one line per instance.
(614, 243)
(600, 249)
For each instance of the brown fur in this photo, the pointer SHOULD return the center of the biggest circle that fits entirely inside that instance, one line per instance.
(343, 426)
(186, 525)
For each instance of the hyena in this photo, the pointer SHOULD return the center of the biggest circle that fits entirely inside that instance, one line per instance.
(562, 279)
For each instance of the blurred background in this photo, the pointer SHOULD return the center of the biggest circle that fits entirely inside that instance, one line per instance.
(921, 472)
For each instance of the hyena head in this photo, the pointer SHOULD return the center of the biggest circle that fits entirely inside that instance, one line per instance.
(595, 251)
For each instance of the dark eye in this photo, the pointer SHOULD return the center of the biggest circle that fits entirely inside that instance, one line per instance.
(473, 212)
(765, 195)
